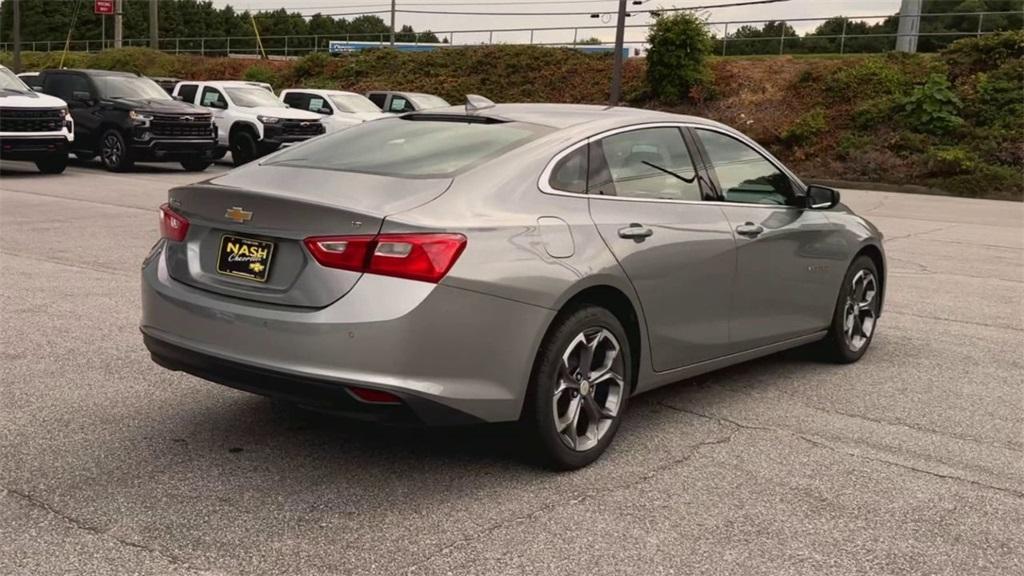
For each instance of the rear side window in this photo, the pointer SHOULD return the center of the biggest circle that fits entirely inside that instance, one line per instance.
(296, 100)
(570, 174)
(411, 148)
(64, 86)
(651, 163)
(187, 92)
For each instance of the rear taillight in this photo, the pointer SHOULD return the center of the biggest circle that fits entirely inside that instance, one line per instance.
(426, 257)
(371, 396)
(173, 226)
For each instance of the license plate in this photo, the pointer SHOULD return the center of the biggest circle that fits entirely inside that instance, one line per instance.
(244, 258)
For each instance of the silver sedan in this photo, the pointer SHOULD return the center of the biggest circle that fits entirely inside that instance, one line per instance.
(520, 262)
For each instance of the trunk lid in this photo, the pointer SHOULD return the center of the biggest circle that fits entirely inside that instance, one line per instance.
(282, 206)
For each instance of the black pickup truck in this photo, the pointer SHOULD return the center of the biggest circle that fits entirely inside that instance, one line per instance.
(124, 118)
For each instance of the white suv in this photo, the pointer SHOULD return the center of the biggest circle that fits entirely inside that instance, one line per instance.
(338, 109)
(33, 126)
(251, 121)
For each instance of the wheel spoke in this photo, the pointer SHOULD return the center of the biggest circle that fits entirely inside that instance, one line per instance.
(571, 416)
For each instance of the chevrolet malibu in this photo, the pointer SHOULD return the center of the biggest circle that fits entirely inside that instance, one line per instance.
(518, 262)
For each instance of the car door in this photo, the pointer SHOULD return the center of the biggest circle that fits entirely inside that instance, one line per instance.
(83, 103)
(675, 248)
(213, 99)
(785, 254)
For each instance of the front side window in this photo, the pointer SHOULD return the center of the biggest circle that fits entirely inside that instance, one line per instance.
(744, 175)
(409, 148)
(296, 100)
(650, 163)
(319, 105)
(399, 104)
(378, 99)
(570, 174)
(213, 98)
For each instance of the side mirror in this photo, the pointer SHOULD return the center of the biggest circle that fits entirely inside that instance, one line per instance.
(177, 97)
(325, 111)
(82, 98)
(821, 198)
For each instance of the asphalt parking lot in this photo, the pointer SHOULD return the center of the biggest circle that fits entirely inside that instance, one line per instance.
(910, 462)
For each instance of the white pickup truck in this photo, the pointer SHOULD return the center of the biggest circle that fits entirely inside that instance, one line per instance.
(338, 109)
(33, 126)
(251, 121)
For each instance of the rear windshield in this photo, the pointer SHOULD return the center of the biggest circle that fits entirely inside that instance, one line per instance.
(410, 148)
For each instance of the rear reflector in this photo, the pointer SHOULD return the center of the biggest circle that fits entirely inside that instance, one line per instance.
(374, 396)
(425, 257)
(173, 226)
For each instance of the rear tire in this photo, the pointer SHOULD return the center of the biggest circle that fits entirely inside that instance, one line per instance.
(243, 147)
(53, 164)
(114, 152)
(573, 408)
(195, 164)
(855, 318)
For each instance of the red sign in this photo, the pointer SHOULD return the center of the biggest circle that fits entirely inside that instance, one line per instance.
(103, 7)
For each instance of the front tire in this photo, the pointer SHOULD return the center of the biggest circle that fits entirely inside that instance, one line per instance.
(579, 388)
(195, 164)
(856, 313)
(114, 152)
(243, 147)
(53, 164)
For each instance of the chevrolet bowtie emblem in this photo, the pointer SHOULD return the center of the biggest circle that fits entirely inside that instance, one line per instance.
(236, 214)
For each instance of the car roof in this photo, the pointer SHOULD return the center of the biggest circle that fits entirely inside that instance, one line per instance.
(561, 116)
(320, 91)
(94, 72)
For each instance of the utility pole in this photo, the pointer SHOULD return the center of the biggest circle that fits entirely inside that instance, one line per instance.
(154, 29)
(910, 25)
(620, 32)
(392, 22)
(118, 22)
(16, 8)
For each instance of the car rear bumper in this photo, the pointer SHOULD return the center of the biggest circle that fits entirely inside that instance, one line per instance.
(453, 356)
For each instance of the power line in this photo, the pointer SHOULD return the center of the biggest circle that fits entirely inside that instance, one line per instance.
(474, 13)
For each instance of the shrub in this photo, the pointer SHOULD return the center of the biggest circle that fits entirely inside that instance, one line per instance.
(998, 98)
(259, 73)
(678, 54)
(806, 128)
(951, 161)
(988, 181)
(874, 112)
(970, 56)
(873, 76)
(932, 107)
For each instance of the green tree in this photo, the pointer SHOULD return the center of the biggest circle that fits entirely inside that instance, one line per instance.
(677, 58)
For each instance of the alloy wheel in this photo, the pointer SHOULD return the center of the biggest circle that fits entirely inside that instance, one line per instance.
(590, 388)
(113, 150)
(859, 312)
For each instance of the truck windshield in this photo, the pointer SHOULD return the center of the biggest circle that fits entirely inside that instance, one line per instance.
(251, 97)
(10, 82)
(353, 103)
(129, 87)
(410, 147)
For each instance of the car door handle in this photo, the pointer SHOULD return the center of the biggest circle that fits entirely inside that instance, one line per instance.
(635, 232)
(749, 229)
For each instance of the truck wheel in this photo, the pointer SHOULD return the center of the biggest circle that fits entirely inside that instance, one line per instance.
(114, 152)
(243, 147)
(53, 164)
(195, 164)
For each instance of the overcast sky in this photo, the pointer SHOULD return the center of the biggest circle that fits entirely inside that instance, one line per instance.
(783, 10)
